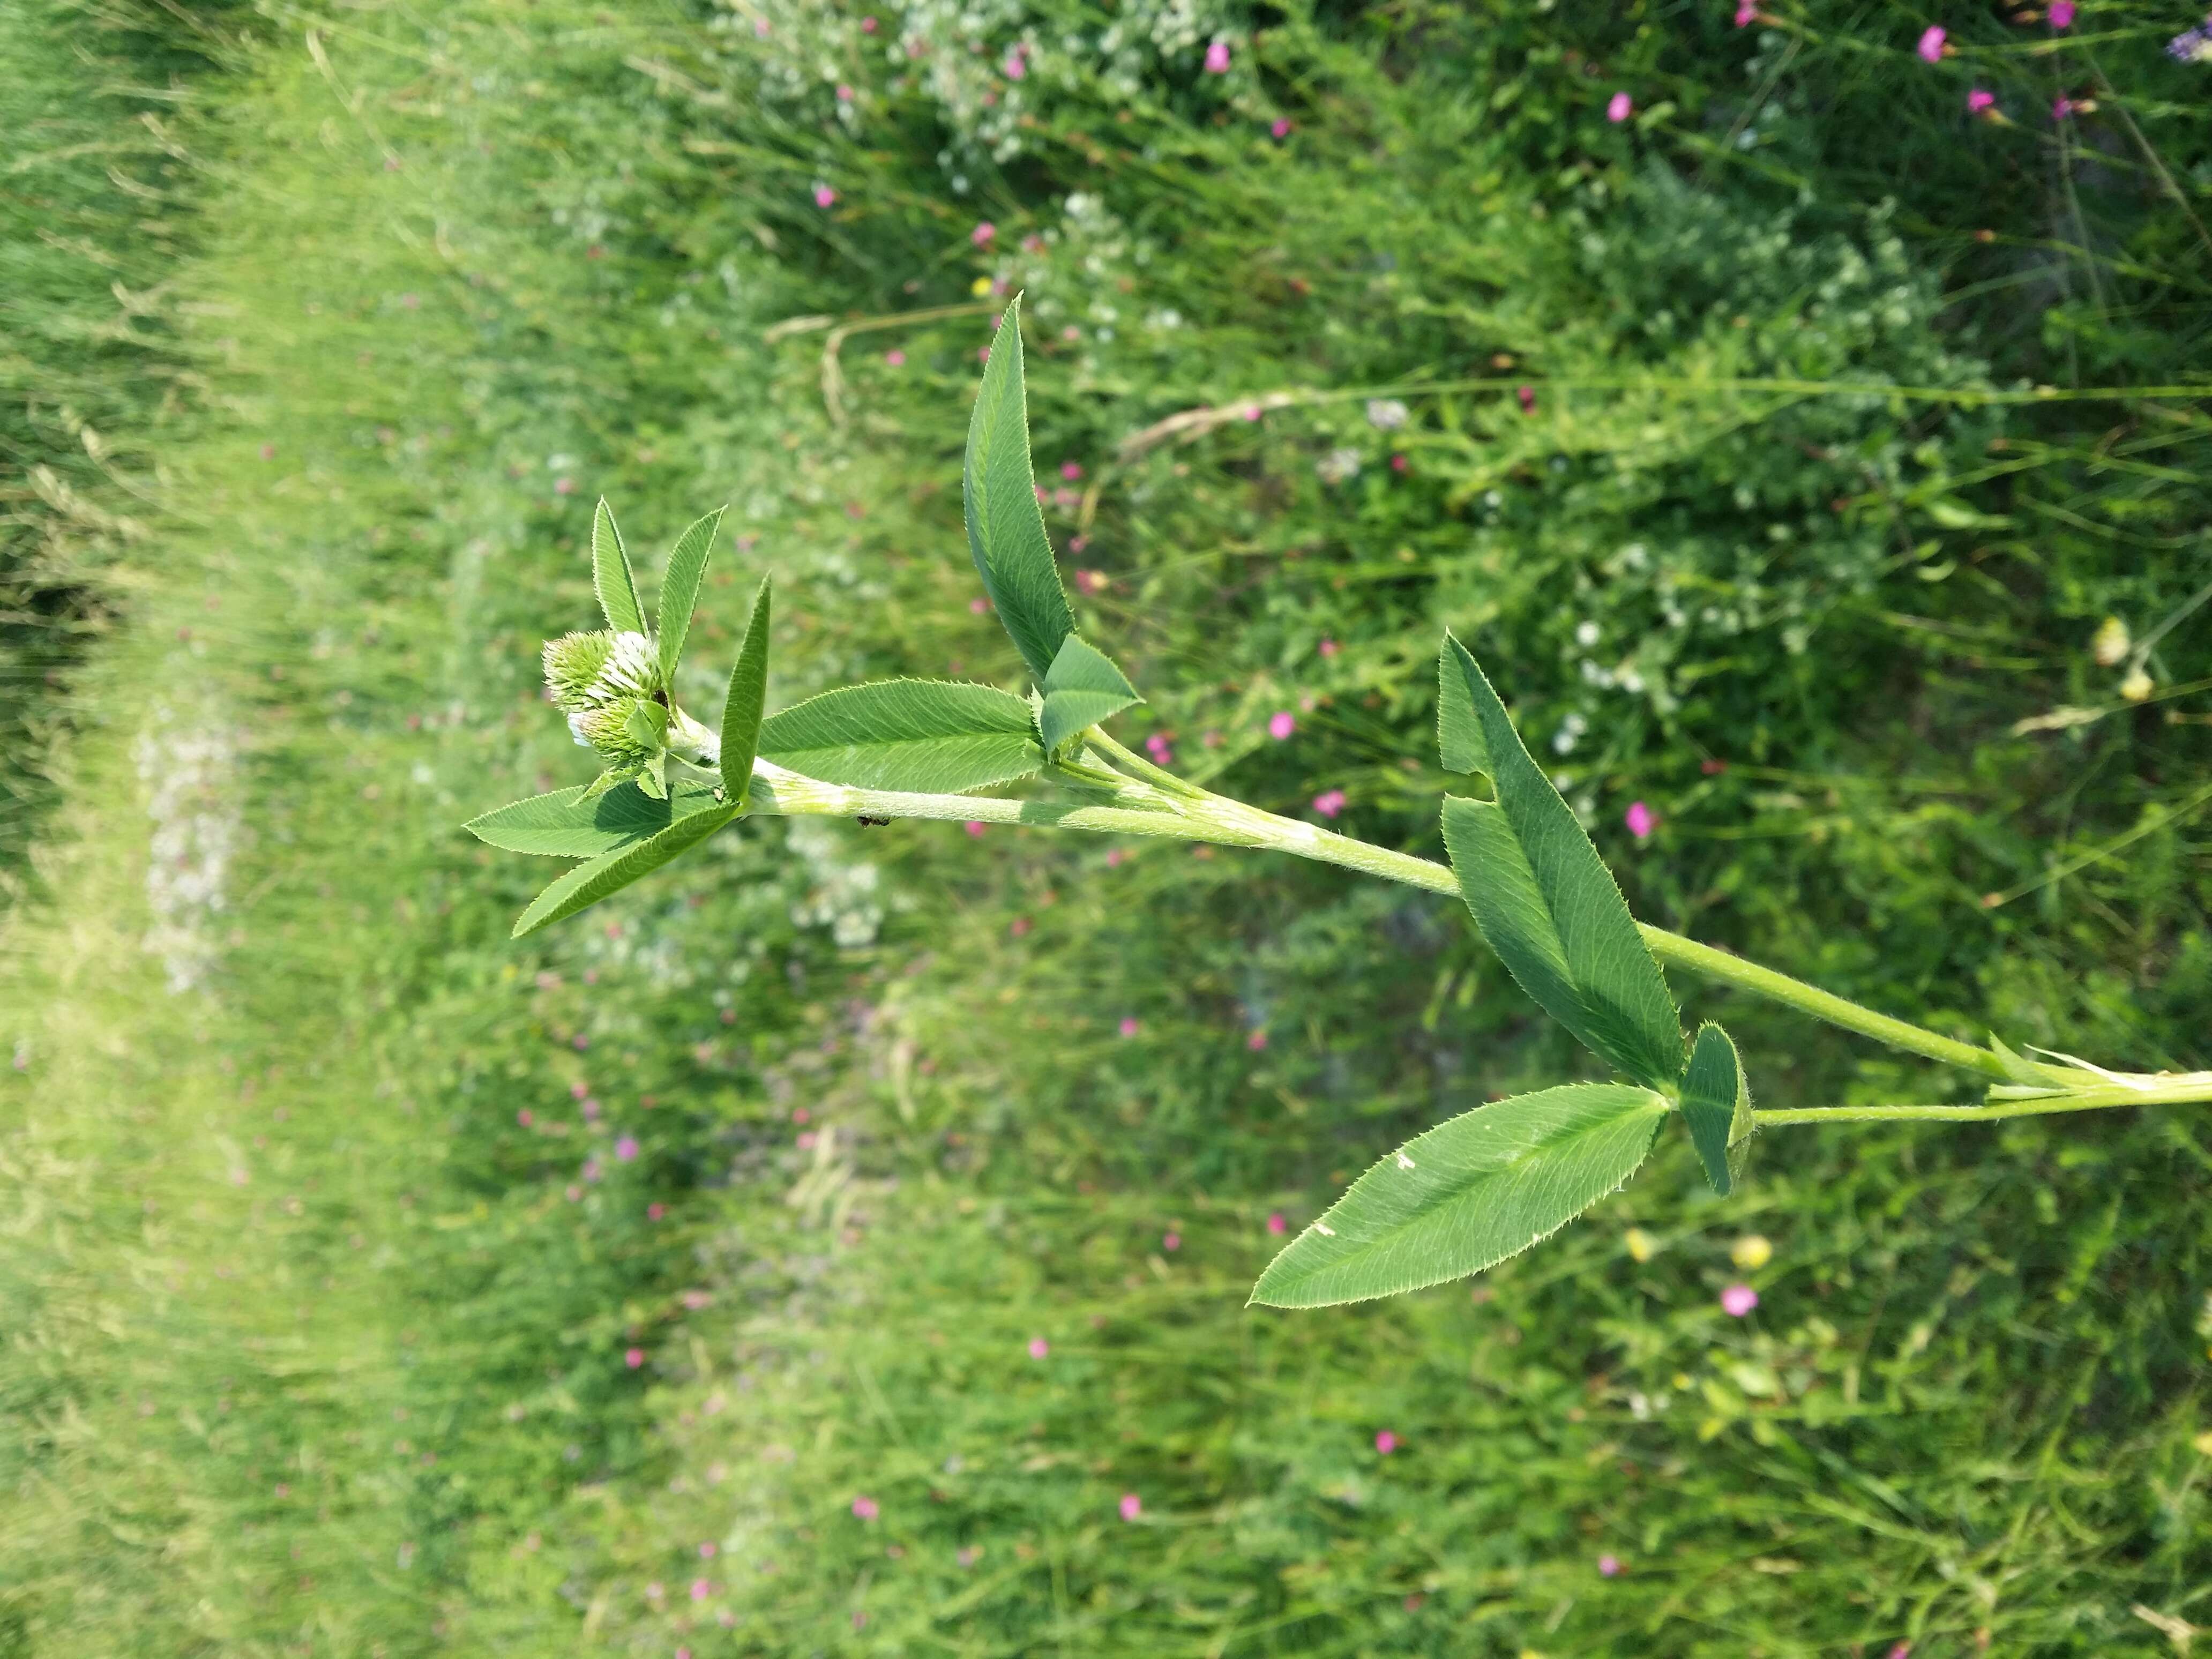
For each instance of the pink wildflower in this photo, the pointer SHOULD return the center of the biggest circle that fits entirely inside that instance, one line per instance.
(975, 829)
(2062, 14)
(867, 26)
(1608, 1566)
(1015, 68)
(1931, 44)
(626, 1148)
(1328, 647)
(1277, 1225)
(525, 1117)
(1386, 1442)
(1641, 820)
(982, 233)
(1020, 927)
(1114, 856)
(1071, 470)
(654, 1212)
(1039, 1347)
(1527, 394)
(1977, 101)
(1132, 1506)
(1161, 748)
(1281, 128)
(2061, 107)
(824, 197)
(1128, 1025)
(1216, 58)
(1328, 803)
(1620, 108)
(1256, 1042)
(895, 357)
(844, 95)
(1171, 1240)
(1745, 15)
(701, 1589)
(864, 1508)
(979, 605)
(1280, 726)
(707, 1551)
(1738, 1300)
(633, 1358)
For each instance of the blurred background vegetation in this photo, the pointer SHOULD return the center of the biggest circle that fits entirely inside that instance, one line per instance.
(809, 1250)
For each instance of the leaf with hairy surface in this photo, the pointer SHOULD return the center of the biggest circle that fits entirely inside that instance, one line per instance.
(1468, 1194)
(1005, 529)
(1082, 688)
(929, 736)
(679, 589)
(574, 823)
(1549, 907)
(588, 884)
(741, 707)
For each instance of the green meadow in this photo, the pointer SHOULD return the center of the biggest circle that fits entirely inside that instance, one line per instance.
(839, 1243)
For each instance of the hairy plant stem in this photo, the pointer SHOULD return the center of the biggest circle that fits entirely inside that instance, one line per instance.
(1157, 803)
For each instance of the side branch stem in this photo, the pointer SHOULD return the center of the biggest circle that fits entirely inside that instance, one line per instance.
(1175, 809)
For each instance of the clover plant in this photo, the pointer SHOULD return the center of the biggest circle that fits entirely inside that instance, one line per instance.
(1455, 1200)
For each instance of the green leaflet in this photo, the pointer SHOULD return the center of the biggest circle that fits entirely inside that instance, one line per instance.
(611, 574)
(1468, 1194)
(1005, 530)
(929, 736)
(1717, 1106)
(679, 589)
(572, 824)
(1460, 743)
(1082, 688)
(588, 884)
(741, 707)
(1550, 908)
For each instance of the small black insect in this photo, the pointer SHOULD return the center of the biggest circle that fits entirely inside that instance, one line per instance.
(874, 823)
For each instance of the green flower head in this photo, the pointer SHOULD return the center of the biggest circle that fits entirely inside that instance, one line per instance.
(609, 686)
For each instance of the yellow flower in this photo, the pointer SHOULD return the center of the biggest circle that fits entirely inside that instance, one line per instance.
(2111, 642)
(2137, 685)
(980, 286)
(1642, 1247)
(1751, 1251)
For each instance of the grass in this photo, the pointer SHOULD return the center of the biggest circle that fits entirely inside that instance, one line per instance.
(325, 1276)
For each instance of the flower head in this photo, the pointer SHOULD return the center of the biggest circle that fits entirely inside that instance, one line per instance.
(1132, 1506)
(981, 235)
(603, 683)
(1039, 1347)
(1608, 1566)
(824, 197)
(1387, 413)
(1977, 101)
(864, 1508)
(1328, 803)
(2062, 14)
(1931, 43)
(1280, 726)
(1752, 1252)
(1745, 15)
(1276, 1224)
(1619, 107)
(1641, 820)
(2110, 644)
(1279, 128)
(1217, 58)
(1386, 1442)
(1737, 1300)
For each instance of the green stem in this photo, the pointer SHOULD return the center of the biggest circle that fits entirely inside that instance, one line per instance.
(2180, 1091)
(1188, 814)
